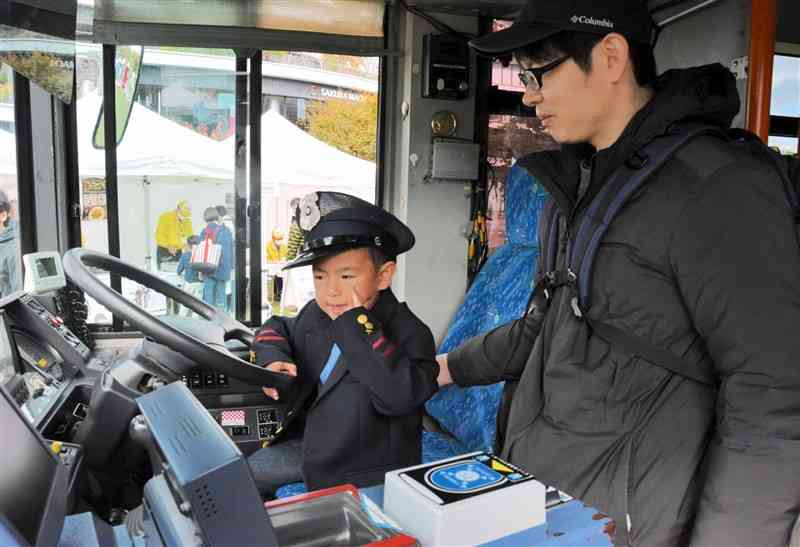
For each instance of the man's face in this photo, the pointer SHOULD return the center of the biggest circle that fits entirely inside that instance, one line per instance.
(571, 104)
(347, 279)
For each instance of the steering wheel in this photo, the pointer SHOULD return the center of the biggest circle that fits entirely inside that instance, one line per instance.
(205, 344)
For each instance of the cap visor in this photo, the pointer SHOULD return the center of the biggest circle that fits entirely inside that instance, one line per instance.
(309, 257)
(512, 38)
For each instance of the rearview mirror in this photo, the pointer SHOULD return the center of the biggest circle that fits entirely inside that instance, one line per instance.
(127, 68)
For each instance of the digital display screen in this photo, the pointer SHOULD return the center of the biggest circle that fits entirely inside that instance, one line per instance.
(46, 267)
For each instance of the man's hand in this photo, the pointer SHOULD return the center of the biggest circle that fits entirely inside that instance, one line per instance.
(281, 367)
(444, 370)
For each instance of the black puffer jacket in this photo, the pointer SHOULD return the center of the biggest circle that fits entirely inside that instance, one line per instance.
(705, 253)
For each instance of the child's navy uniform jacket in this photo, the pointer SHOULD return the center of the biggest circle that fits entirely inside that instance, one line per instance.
(366, 418)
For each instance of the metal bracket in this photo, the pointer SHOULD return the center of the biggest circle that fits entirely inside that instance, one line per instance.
(739, 67)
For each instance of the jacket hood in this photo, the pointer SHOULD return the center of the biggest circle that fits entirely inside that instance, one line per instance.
(705, 94)
(10, 232)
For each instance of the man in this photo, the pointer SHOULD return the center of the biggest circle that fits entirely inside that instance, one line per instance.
(10, 257)
(702, 261)
(276, 254)
(171, 232)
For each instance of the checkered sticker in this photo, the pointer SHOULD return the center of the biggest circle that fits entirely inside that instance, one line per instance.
(232, 417)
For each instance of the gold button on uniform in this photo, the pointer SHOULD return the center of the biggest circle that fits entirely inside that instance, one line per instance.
(362, 319)
(369, 326)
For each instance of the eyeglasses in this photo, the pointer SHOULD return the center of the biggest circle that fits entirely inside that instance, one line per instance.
(532, 77)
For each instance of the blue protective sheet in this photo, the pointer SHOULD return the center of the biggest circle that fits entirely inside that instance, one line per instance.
(289, 490)
(498, 295)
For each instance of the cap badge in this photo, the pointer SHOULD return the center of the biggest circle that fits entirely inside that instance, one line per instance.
(309, 211)
(378, 241)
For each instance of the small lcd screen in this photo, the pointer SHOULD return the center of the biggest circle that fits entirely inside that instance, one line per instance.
(46, 267)
(27, 472)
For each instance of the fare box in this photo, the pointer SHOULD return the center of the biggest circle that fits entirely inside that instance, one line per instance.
(466, 500)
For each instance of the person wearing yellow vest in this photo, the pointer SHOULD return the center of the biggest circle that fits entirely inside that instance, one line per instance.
(276, 250)
(171, 232)
(276, 253)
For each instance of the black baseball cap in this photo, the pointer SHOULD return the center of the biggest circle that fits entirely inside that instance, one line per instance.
(333, 222)
(541, 19)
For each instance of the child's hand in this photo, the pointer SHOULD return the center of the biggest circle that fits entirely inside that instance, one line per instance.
(281, 367)
(357, 302)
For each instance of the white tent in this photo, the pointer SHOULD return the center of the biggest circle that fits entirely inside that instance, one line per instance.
(8, 165)
(152, 145)
(294, 163)
(290, 157)
(8, 154)
(159, 163)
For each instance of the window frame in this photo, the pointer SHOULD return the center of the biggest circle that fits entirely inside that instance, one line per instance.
(23, 130)
(248, 213)
(785, 126)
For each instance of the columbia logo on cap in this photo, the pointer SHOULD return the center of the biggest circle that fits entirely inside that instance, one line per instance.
(584, 20)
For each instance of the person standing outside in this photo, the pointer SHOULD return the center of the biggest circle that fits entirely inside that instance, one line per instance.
(702, 263)
(10, 260)
(171, 232)
(191, 278)
(276, 255)
(215, 283)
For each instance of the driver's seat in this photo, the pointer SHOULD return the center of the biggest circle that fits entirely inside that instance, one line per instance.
(498, 295)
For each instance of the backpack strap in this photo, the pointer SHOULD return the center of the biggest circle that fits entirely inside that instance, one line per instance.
(623, 184)
(212, 235)
(697, 369)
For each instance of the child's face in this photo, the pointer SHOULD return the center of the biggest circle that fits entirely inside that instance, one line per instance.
(348, 280)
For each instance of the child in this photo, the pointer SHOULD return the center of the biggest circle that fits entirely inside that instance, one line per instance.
(365, 364)
(191, 279)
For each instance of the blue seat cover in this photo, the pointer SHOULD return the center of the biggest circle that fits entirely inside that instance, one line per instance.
(498, 295)
(289, 490)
